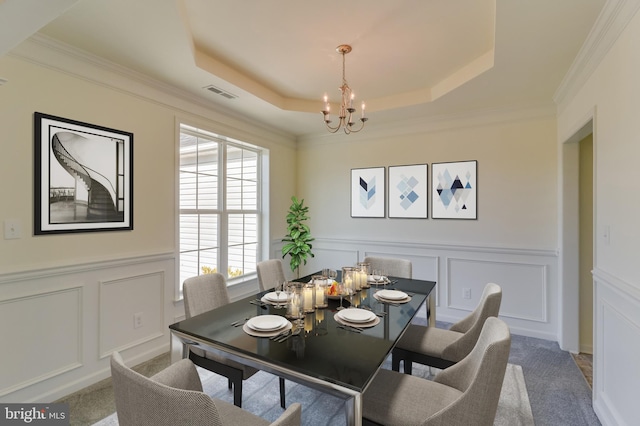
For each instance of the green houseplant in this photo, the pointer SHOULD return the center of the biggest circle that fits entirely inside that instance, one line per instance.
(298, 239)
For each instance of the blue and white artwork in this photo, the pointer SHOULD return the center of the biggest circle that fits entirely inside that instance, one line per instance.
(408, 191)
(367, 192)
(454, 190)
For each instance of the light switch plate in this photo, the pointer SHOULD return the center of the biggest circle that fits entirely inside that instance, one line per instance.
(12, 229)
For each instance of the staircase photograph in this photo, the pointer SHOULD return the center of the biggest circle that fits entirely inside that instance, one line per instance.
(85, 181)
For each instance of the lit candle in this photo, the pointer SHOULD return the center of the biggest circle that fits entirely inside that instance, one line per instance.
(319, 315)
(308, 299)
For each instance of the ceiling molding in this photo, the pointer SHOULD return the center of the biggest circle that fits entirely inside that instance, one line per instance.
(613, 19)
(480, 117)
(49, 53)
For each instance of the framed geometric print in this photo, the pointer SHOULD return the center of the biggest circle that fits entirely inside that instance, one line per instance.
(408, 191)
(367, 192)
(454, 190)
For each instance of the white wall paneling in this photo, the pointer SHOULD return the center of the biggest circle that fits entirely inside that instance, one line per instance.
(138, 296)
(528, 277)
(61, 323)
(49, 348)
(616, 382)
(524, 286)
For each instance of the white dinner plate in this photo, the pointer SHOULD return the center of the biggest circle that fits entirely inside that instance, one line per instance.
(392, 294)
(275, 297)
(356, 315)
(267, 322)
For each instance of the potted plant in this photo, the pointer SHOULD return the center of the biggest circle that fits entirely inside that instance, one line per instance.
(298, 239)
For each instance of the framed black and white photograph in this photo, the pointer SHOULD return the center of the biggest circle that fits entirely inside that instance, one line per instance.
(454, 190)
(367, 192)
(408, 191)
(83, 177)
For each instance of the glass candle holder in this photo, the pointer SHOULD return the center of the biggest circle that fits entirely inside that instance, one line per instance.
(295, 304)
(348, 278)
(321, 283)
(365, 270)
(308, 297)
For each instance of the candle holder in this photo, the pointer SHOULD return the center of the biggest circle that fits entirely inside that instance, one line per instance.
(295, 304)
(308, 297)
(321, 283)
(365, 270)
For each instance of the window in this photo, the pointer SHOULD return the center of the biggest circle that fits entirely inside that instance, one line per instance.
(219, 187)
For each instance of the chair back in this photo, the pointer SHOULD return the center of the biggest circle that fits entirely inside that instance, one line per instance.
(270, 273)
(204, 293)
(394, 267)
(471, 325)
(142, 401)
(479, 377)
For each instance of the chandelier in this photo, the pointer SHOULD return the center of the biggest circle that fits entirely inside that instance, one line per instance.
(346, 107)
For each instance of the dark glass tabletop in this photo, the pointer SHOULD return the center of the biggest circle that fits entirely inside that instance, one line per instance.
(322, 350)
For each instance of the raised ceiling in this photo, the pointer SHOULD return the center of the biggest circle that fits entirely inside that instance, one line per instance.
(411, 58)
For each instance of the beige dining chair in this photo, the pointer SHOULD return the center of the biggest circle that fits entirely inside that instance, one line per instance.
(466, 393)
(400, 268)
(442, 348)
(175, 397)
(204, 293)
(270, 273)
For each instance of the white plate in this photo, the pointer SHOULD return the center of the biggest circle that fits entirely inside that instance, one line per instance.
(392, 294)
(275, 297)
(356, 315)
(267, 322)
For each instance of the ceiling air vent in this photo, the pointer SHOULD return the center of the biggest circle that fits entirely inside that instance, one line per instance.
(219, 91)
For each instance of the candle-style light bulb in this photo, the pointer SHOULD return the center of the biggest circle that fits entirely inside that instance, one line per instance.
(362, 109)
(351, 101)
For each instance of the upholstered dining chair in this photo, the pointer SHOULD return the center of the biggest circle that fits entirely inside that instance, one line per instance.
(400, 268)
(442, 348)
(204, 293)
(174, 397)
(270, 273)
(466, 393)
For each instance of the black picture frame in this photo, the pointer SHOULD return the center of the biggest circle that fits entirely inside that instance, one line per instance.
(83, 177)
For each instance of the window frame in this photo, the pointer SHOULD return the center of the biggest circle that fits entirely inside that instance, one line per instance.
(221, 210)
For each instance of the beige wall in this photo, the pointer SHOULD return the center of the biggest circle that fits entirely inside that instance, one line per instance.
(33, 88)
(517, 174)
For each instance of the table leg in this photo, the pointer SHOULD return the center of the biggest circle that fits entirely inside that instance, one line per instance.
(178, 350)
(353, 410)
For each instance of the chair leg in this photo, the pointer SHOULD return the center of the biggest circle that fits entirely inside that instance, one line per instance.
(237, 393)
(282, 400)
(408, 366)
(230, 383)
(395, 361)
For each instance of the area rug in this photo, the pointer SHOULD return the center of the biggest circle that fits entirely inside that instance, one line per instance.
(261, 397)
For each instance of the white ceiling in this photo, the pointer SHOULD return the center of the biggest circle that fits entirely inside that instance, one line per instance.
(410, 58)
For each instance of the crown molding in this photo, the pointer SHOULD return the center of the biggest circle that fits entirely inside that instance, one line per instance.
(613, 19)
(52, 54)
(467, 119)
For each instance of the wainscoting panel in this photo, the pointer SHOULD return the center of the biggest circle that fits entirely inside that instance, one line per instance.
(616, 383)
(524, 286)
(49, 342)
(61, 323)
(528, 277)
(136, 296)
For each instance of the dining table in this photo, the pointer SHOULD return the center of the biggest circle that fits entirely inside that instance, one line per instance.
(321, 350)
